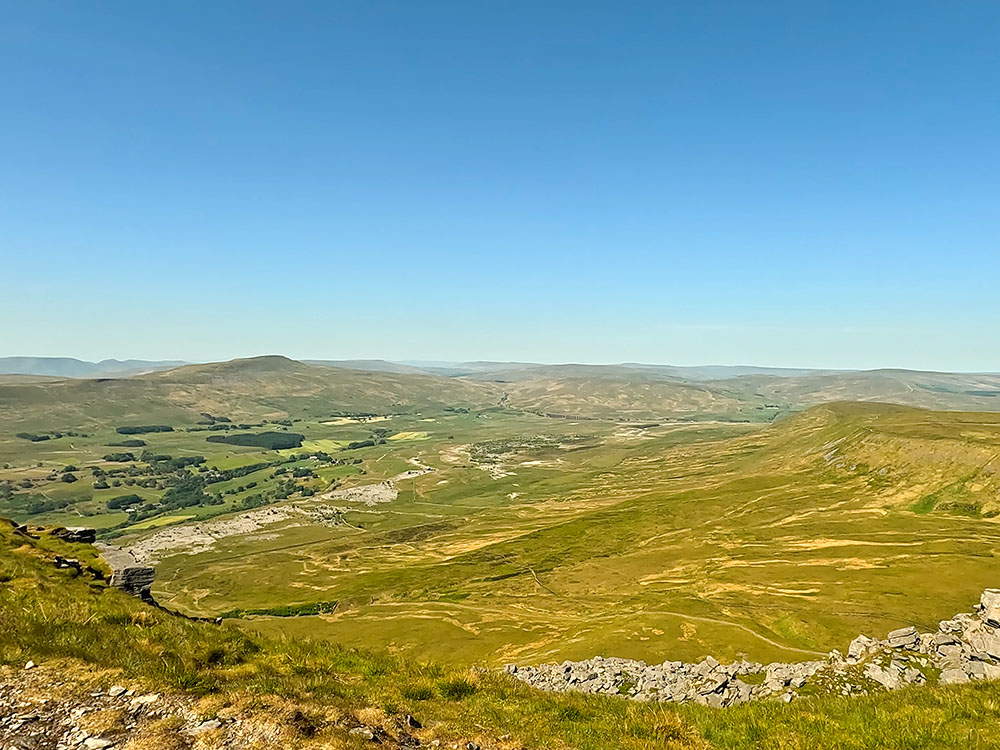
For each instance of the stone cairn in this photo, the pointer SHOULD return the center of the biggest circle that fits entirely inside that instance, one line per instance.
(964, 648)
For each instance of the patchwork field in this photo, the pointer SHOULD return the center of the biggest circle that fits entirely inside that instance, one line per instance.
(485, 533)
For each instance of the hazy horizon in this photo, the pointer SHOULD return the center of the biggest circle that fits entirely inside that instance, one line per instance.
(432, 362)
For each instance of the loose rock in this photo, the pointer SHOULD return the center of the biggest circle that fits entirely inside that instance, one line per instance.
(965, 647)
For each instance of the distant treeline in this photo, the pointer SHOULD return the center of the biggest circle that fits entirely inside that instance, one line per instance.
(286, 610)
(119, 458)
(142, 429)
(270, 440)
(48, 436)
(123, 501)
(33, 438)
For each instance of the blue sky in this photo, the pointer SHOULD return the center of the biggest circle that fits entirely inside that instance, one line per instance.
(774, 183)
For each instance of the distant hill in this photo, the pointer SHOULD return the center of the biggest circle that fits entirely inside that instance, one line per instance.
(279, 387)
(662, 392)
(67, 367)
(269, 387)
(510, 369)
(369, 365)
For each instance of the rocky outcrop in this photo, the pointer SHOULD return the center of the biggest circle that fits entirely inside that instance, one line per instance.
(127, 573)
(78, 534)
(964, 648)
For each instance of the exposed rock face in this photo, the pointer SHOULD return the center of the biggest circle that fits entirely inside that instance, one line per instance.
(126, 573)
(76, 534)
(966, 647)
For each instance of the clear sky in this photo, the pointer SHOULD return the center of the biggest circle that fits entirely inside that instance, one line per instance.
(773, 183)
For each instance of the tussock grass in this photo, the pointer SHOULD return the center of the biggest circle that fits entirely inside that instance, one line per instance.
(48, 614)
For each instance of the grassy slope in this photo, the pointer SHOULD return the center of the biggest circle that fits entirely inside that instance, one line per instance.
(649, 392)
(279, 387)
(47, 614)
(262, 387)
(659, 547)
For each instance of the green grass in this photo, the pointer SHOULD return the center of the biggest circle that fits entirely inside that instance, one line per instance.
(542, 539)
(54, 616)
(689, 541)
(158, 521)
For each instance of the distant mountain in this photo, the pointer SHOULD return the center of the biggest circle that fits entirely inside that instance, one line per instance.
(276, 386)
(244, 390)
(519, 370)
(370, 365)
(67, 367)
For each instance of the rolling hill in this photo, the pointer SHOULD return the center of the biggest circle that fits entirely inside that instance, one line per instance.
(247, 389)
(277, 387)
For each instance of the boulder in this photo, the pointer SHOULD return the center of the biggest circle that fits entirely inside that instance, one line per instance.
(953, 677)
(990, 599)
(984, 639)
(79, 534)
(127, 573)
(887, 677)
(205, 726)
(989, 603)
(903, 637)
(860, 647)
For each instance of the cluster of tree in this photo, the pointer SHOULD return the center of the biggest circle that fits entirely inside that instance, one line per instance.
(281, 491)
(359, 444)
(32, 437)
(212, 419)
(270, 440)
(143, 429)
(29, 504)
(185, 491)
(135, 443)
(123, 501)
(119, 458)
(379, 436)
(164, 463)
(297, 472)
(224, 475)
(229, 425)
(284, 610)
(49, 435)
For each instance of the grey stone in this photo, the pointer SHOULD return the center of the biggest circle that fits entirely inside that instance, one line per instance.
(965, 647)
(953, 677)
(886, 677)
(126, 573)
(205, 726)
(79, 534)
(903, 637)
(859, 647)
